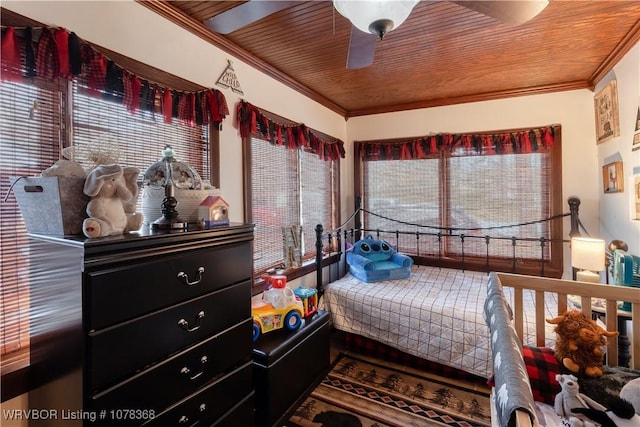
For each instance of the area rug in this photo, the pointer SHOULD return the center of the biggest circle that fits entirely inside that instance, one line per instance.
(361, 391)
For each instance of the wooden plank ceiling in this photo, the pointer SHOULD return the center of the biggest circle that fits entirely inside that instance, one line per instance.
(443, 54)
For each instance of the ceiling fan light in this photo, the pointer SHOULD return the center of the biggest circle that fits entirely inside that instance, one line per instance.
(375, 16)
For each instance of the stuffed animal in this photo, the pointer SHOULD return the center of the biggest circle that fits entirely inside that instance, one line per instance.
(113, 191)
(570, 398)
(373, 260)
(579, 342)
(620, 413)
(631, 393)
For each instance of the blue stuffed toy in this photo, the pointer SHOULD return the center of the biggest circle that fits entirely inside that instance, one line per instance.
(372, 260)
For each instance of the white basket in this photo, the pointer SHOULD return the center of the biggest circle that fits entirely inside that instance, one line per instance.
(188, 202)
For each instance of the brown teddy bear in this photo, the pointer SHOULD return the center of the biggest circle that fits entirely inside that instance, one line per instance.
(579, 342)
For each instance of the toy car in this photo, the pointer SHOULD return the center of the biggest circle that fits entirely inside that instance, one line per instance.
(279, 308)
(267, 318)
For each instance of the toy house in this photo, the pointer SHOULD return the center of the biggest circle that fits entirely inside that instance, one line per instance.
(214, 210)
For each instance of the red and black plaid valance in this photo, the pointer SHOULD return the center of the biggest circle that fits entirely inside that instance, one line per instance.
(252, 121)
(526, 141)
(58, 53)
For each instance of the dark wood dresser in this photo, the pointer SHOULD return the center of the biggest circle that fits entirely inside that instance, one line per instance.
(149, 329)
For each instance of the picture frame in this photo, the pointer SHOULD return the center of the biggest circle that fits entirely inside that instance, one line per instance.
(635, 145)
(607, 114)
(613, 178)
(636, 197)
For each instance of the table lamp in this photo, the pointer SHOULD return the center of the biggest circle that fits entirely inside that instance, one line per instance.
(588, 256)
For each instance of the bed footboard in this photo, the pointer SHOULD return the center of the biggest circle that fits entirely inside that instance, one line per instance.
(512, 406)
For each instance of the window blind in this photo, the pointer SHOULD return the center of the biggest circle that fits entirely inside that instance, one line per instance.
(31, 139)
(460, 192)
(33, 118)
(137, 139)
(288, 187)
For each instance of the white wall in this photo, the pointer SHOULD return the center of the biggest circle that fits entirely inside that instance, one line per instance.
(617, 209)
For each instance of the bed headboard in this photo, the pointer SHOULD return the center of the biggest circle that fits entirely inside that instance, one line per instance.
(332, 245)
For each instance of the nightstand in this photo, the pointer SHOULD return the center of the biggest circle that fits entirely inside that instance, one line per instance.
(287, 365)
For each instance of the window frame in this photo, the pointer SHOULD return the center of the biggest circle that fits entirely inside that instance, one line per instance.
(552, 268)
(308, 265)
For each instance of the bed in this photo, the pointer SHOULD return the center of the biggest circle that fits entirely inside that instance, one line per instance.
(439, 314)
(521, 408)
(436, 314)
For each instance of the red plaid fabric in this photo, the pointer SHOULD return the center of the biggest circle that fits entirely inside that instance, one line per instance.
(222, 104)
(132, 86)
(167, 103)
(61, 37)
(542, 368)
(11, 66)
(96, 70)
(47, 61)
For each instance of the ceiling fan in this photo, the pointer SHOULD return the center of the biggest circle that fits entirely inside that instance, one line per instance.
(374, 20)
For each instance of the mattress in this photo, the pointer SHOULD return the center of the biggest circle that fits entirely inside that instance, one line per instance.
(436, 314)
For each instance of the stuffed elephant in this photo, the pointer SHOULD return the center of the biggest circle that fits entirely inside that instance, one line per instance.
(113, 191)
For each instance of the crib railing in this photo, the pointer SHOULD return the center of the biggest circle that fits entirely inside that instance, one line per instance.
(611, 294)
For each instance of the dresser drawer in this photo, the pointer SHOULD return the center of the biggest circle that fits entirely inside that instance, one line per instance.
(131, 290)
(210, 403)
(130, 346)
(185, 372)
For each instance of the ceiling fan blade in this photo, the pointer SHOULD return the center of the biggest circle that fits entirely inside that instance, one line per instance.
(245, 14)
(512, 12)
(362, 47)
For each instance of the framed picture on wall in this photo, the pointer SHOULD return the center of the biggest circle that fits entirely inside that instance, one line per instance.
(612, 178)
(607, 116)
(636, 196)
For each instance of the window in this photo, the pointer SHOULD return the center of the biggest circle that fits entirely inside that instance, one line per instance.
(460, 191)
(38, 118)
(288, 187)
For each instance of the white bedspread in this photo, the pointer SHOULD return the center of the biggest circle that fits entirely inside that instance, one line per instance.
(435, 314)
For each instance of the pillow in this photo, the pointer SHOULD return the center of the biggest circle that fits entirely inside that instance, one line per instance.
(542, 368)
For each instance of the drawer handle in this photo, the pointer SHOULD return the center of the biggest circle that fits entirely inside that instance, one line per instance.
(184, 419)
(187, 371)
(185, 325)
(183, 276)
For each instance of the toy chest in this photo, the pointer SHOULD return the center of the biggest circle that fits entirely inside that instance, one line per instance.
(287, 364)
(51, 205)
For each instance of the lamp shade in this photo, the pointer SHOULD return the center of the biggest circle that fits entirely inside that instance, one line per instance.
(375, 16)
(587, 253)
